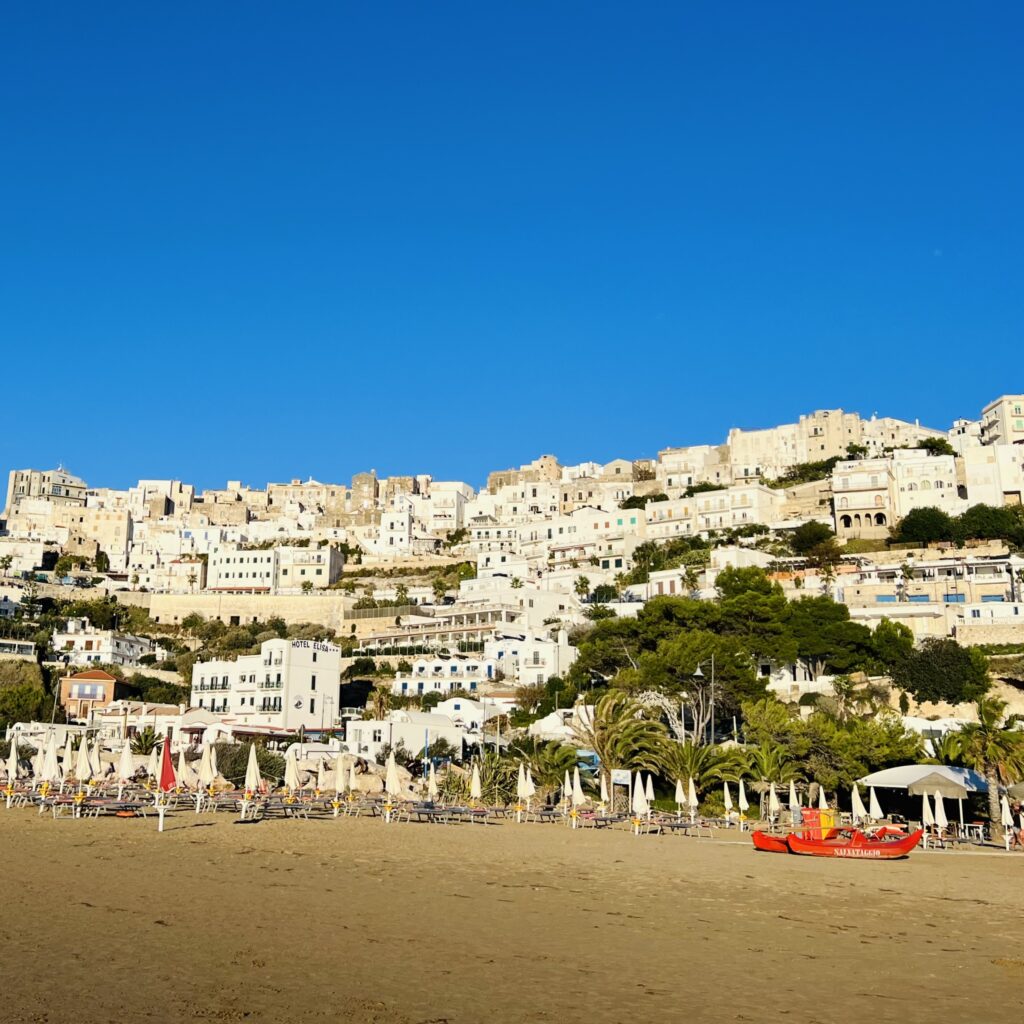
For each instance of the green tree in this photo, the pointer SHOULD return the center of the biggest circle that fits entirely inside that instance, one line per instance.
(6, 561)
(440, 590)
(582, 586)
(926, 525)
(808, 536)
(102, 561)
(936, 446)
(994, 751)
(23, 702)
(892, 643)
(942, 670)
(731, 582)
(307, 586)
(706, 764)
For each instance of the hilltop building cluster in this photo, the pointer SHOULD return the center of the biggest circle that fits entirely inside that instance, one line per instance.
(538, 548)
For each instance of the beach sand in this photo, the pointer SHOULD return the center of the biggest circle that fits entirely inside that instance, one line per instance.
(352, 920)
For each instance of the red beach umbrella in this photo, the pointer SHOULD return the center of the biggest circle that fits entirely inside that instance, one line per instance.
(167, 779)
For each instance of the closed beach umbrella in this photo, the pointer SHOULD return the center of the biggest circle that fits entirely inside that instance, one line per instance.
(692, 796)
(69, 757)
(187, 777)
(476, 791)
(126, 763)
(604, 789)
(741, 799)
(727, 799)
(926, 810)
(153, 765)
(352, 785)
(95, 764)
(51, 769)
(857, 807)
(521, 782)
(167, 778)
(531, 789)
(566, 786)
(1005, 813)
(940, 811)
(649, 791)
(794, 800)
(213, 760)
(253, 779)
(291, 771)
(773, 801)
(640, 807)
(391, 784)
(83, 769)
(12, 760)
(874, 807)
(577, 789)
(680, 793)
(822, 798)
(432, 790)
(207, 772)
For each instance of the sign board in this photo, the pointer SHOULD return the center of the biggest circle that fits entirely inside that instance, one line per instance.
(620, 776)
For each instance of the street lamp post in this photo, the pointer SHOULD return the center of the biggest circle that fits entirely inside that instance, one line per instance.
(698, 674)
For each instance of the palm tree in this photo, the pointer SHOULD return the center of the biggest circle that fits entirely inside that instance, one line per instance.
(379, 703)
(582, 586)
(548, 761)
(143, 742)
(704, 763)
(947, 749)
(5, 563)
(994, 751)
(619, 733)
(192, 578)
(440, 591)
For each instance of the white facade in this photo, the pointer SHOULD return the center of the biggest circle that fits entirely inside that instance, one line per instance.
(412, 729)
(446, 675)
(530, 657)
(82, 644)
(290, 684)
(278, 570)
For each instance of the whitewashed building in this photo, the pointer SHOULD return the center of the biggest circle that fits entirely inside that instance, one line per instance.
(290, 684)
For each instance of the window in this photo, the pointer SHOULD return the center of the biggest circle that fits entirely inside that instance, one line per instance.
(312, 705)
(312, 682)
(378, 735)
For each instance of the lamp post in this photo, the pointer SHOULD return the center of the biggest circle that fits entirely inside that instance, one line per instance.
(698, 674)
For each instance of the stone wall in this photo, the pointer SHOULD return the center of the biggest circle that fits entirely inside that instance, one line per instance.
(971, 635)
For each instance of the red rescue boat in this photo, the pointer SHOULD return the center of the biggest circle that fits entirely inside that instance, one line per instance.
(856, 847)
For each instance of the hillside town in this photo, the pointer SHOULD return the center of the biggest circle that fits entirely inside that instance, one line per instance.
(263, 609)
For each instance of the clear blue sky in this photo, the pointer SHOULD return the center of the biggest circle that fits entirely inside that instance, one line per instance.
(260, 241)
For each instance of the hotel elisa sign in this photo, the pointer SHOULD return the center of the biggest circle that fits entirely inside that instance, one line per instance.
(317, 645)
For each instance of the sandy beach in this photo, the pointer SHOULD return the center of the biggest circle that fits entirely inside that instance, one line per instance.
(352, 920)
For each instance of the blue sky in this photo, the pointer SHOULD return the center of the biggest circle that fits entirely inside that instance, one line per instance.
(261, 241)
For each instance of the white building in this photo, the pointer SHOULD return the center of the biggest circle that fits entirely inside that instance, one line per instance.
(280, 569)
(83, 644)
(414, 730)
(530, 657)
(1002, 421)
(446, 674)
(290, 684)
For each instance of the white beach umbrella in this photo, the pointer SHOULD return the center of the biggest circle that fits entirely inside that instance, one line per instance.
(531, 789)
(604, 789)
(69, 757)
(207, 772)
(352, 783)
(773, 801)
(577, 789)
(927, 817)
(727, 798)
(37, 762)
(291, 771)
(339, 777)
(741, 799)
(521, 782)
(126, 763)
(186, 774)
(253, 779)
(12, 760)
(794, 800)
(822, 798)
(391, 784)
(1006, 815)
(857, 808)
(691, 795)
(566, 787)
(432, 790)
(640, 807)
(213, 760)
(83, 769)
(95, 763)
(51, 769)
(680, 793)
(649, 791)
(941, 820)
(874, 807)
(153, 764)
(476, 791)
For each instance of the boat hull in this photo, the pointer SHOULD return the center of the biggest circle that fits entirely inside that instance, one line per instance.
(877, 850)
(769, 844)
